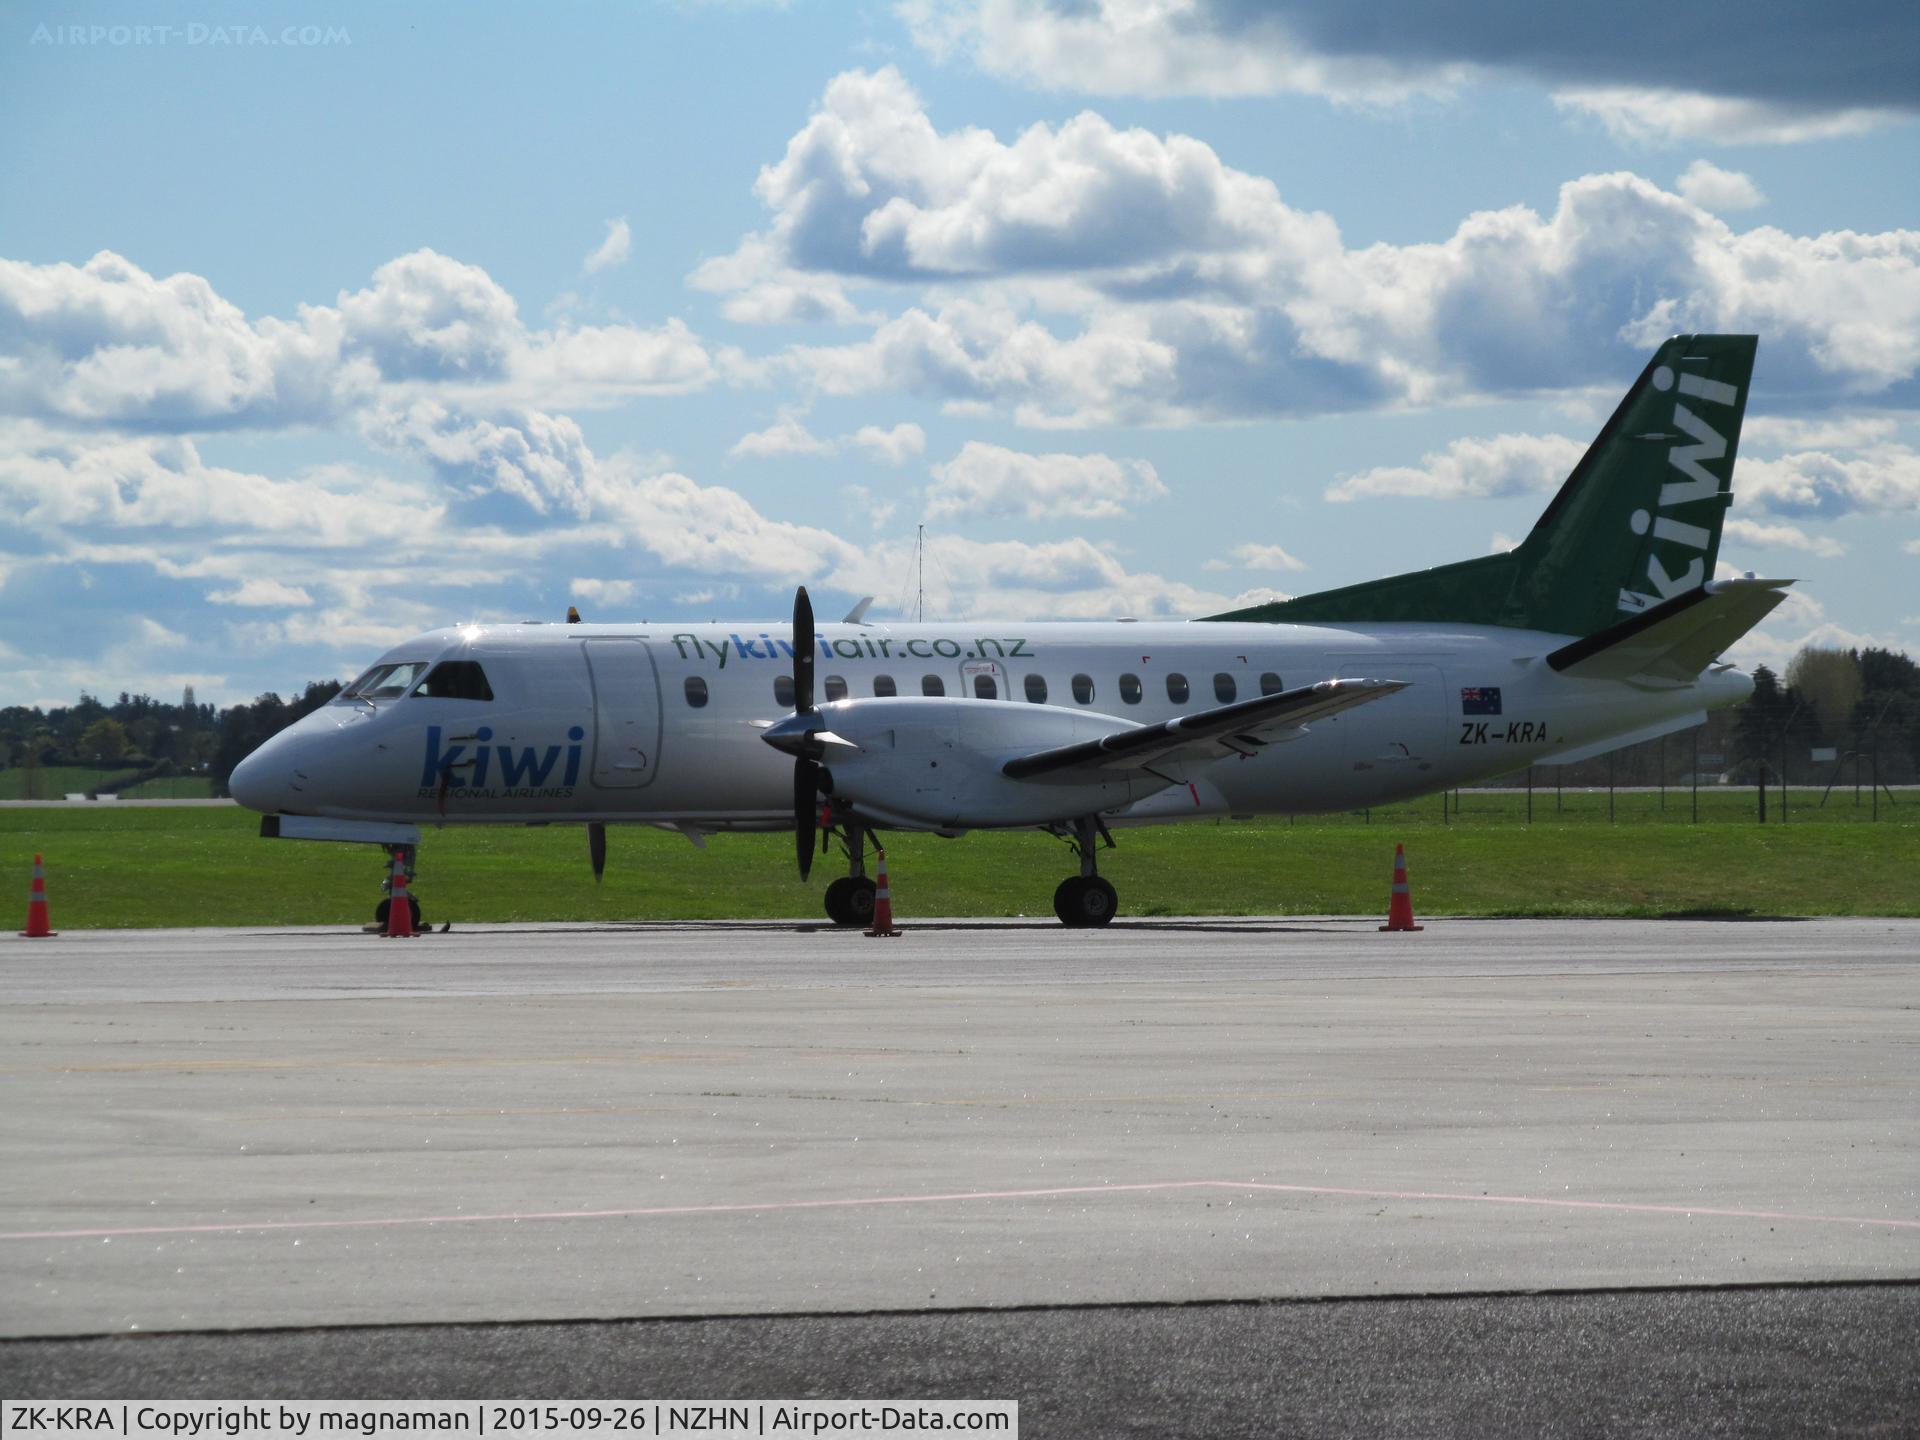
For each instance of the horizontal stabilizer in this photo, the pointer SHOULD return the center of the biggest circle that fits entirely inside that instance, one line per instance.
(1208, 733)
(1676, 639)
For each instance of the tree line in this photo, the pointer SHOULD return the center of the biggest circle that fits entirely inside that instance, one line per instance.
(143, 739)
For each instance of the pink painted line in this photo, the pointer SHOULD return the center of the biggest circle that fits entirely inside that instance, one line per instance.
(1052, 1192)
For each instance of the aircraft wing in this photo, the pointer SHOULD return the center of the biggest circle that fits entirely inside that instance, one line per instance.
(1205, 734)
(1675, 640)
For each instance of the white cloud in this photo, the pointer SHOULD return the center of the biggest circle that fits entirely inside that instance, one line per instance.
(891, 447)
(1777, 537)
(602, 592)
(1651, 116)
(761, 289)
(1266, 557)
(1884, 478)
(542, 459)
(1154, 47)
(1471, 468)
(261, 590)
(1711, 188)
(1086, 275)
(1852, 72)
(613, 250)
(1844, 432)
(989, 480)
(786, 436)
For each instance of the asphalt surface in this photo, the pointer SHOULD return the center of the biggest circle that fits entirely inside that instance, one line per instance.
(786, 1161)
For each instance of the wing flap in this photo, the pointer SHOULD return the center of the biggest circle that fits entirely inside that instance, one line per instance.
(1208, 733)
(1675, 640)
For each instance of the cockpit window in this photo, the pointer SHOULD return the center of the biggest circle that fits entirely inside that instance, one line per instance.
(456, 680)
(385, 682)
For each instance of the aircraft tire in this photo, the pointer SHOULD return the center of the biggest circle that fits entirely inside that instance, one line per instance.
(850, 900)
(385, 905)
(1084, 902)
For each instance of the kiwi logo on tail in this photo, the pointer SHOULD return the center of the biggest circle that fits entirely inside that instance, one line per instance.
(1699, 484)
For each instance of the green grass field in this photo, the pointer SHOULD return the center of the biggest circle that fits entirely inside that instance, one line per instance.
(203, 866)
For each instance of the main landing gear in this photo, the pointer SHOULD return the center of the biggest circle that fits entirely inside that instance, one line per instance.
(850, 898)
(1085, 900)
(408, 855)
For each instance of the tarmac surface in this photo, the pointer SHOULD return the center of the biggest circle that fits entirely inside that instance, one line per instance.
(1147, 1180)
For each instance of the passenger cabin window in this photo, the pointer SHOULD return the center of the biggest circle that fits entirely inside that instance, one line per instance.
(1130, 689)
(696, 691)
(883, 686)
(1177, 689)
(984, 688)
(385, 682)
(1270, 684)
(836, 687)
(932, 685)
(1037, 689)
(1224, 690)
(456, 680)
(1083, 689)
(783, 691)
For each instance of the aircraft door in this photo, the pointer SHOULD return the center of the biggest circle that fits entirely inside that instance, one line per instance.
(626, 713)
(1406, 732)
(984, 680)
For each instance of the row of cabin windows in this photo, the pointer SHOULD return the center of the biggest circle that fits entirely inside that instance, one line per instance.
(1225, 688)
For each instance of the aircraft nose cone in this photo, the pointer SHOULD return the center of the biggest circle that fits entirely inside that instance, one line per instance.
(259, 781)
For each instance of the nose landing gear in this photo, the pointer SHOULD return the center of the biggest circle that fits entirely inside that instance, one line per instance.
(850, 898)
(1085, 900)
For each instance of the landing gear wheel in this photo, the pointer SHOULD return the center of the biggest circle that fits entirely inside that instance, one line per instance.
(385, 906)
(850, 900)
(1085, 901)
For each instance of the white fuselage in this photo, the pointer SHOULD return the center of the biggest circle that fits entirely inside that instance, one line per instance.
(662, 723)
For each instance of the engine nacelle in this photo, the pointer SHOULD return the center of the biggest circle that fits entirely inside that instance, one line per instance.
(935, 762)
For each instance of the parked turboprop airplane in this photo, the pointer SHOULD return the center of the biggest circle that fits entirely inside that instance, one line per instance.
(1601, 629)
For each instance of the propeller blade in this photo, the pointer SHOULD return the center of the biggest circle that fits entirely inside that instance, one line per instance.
(803, 654)
(806, 811)
(597, 848)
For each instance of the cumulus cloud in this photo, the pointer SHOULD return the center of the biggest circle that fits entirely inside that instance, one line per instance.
(602, 592)
(1266, 557)
(985, 480)
(1471, 468)
(788, 435)
(1087, 275)
(1705, 77)
(1642, 116)
(891, 447)
(1885, 479)
(542, 459)
(263, 591)
(612, 251)
(1779, 537)
(1711, 188)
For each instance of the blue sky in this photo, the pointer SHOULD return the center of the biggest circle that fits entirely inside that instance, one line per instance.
(321, 325)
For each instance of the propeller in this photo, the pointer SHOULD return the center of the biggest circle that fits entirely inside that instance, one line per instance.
(806, 762)
(597, 848)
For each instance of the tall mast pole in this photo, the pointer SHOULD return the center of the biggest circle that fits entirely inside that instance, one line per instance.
(920, 558)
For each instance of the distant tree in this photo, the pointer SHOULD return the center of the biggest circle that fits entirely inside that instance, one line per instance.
(1828, 681)
(104, 742)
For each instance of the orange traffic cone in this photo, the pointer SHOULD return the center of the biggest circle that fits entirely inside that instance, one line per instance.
(399, 906)
(38, 927)
(882, 902)
(1400, 907)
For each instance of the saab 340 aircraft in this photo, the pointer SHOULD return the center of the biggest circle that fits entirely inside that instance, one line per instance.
(1601, 629)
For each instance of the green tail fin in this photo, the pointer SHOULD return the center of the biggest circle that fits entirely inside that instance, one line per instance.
(1637, 522)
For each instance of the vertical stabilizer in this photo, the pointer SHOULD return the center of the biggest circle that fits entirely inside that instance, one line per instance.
(1636, 523)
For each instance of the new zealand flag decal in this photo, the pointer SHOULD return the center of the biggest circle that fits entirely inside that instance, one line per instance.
(1480, 700)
